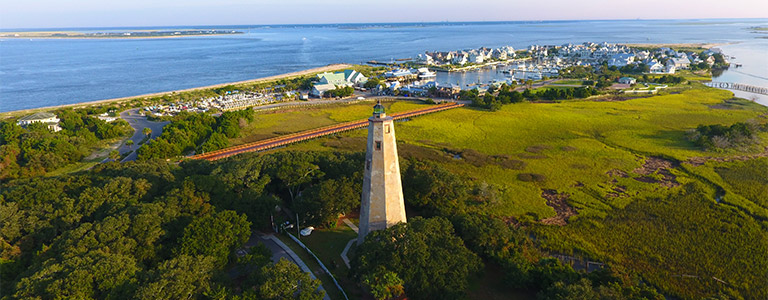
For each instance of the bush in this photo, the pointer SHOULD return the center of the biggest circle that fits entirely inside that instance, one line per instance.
(531, 177)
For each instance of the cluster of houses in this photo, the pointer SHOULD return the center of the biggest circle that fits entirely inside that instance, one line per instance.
(232, 100)
(462, 57)
(663, 60)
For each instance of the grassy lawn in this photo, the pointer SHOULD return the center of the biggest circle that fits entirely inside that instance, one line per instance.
(573, 144)
(596, 153)
(271, 124)
(568, 82)
(328, 244)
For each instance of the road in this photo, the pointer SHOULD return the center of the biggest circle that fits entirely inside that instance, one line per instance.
(138, 123)
(279, 250)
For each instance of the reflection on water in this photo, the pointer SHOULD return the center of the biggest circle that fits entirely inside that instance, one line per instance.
(753, 56)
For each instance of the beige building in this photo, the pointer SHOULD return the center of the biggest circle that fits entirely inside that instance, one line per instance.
(48, 119)
(382, 201)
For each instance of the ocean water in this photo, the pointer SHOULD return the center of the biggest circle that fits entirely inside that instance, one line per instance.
(45, 72)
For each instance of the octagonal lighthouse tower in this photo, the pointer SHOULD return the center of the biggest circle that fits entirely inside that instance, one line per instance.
(382, 202)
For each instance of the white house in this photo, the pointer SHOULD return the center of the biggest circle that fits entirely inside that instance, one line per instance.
(656, 67)
(459, 59)
(425, 59)
(679, 63)
(475, 57)
(627, 80)
(42, 117)
(620, 60)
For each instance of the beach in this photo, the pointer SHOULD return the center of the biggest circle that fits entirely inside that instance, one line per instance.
(328, 68)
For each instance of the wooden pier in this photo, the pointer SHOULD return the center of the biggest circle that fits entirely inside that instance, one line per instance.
(312, 134)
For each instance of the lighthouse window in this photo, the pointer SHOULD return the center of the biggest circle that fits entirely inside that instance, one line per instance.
(386, 128)
(378, 145)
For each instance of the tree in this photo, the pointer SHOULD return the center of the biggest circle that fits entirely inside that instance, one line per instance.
(371, 83)
(284, 280)
(147, 131)
(294, 170)
(129, 143)
(384, 284)
(182, 277)
(114, 155)
(322, 203)
(215, 235)
(432, 262)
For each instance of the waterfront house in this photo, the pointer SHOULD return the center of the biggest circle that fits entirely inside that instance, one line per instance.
(49, 119)
(425, 59)
(679, 63)
(460, 59)
(328, 81)
(476, 57)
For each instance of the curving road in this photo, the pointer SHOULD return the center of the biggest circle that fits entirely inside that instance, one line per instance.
(138, 123)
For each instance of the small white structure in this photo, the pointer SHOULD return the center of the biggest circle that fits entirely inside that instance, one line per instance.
(42, 117)
(627, 80)
(106, 118)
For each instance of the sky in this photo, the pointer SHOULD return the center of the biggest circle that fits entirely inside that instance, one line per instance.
(110, 13)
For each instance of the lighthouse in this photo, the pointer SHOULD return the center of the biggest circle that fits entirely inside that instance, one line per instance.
(382, 200)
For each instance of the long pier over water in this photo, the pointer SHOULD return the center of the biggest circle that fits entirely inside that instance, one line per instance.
(739, 87)
(311, 134)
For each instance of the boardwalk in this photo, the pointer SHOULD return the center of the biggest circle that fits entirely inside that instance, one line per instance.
(739, 87)
(311, 134)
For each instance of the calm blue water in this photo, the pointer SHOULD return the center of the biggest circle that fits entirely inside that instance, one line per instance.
(45, 72)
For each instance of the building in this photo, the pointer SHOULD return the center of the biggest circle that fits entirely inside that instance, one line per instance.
(330, 81)
(656, 68)
(42, 117)
(679, 63)
(382, 200)
(627, 80)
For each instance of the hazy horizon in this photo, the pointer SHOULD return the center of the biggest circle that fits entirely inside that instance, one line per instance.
(205, 26)
(40, 14)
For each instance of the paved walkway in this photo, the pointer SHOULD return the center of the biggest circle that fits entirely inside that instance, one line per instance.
(281, 250)
(344, 256)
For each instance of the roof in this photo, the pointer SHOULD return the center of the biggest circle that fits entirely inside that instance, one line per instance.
(324, 87)
(378, 108)
(37, 116)
(332, 78)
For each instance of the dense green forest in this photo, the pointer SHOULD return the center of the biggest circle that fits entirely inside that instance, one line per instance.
(151, 229)
(193, 132)
(36, 150)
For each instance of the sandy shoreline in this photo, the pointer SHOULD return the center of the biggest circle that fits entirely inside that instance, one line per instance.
(680, 45)
(332, 67)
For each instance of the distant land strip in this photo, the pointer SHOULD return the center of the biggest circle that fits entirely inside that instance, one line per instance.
(333, 67)
(139, 34)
